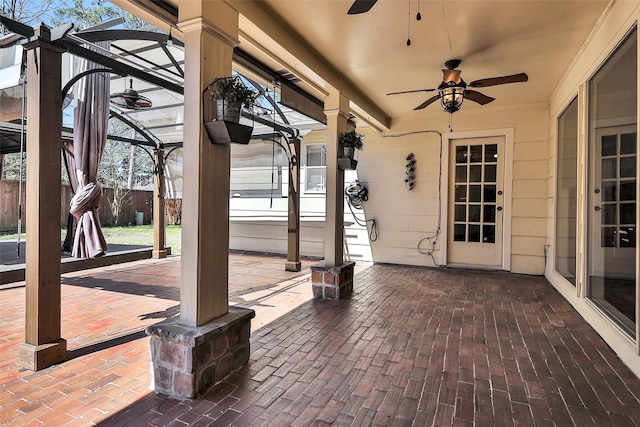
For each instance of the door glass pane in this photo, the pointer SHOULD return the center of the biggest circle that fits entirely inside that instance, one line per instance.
(491, 153)
(476, 154)
(609, 145)
(628, 167)
(475, 193)
(489, 233)
(461, 174)
(609, 214)
(459, 232)
(474, 233)
(627, 213)
(489, 213)
(489, 193)
(628, 143)
(612, 174)
(566, 191)
(475, 173)
(609, 191)
(627, 237)
(490, 173)
(461, 193)
(609, 169)
(461, 154)
(460, 213)
(627, 190)
(474, 213)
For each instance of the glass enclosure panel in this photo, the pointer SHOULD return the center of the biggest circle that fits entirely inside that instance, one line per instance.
(256, 170)
(566, 191)
(612, 174)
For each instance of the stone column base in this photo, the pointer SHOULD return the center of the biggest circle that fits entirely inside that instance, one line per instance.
(188, 360)
(332, 282)
(36, 357)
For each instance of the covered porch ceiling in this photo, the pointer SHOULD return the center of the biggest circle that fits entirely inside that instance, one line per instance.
(366, 56)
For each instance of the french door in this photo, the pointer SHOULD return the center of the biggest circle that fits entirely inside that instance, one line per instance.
(476, 194)
(612, 222)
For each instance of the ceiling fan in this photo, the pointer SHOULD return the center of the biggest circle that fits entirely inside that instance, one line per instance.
(453, 90)
(361, 6)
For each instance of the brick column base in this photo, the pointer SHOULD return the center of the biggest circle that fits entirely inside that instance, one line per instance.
(332, 282)
(187, 361)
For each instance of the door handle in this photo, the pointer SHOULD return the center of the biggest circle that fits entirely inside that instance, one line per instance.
(499, 208)
(597, 208)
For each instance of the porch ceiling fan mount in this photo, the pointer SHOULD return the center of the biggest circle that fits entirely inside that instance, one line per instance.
(454, 90)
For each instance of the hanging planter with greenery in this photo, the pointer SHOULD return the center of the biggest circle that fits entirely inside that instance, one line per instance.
(229, 95)
(349, 142)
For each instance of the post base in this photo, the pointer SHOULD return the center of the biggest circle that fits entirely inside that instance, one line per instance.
(189, 360)
(37, 357)
(160, 253)
(293, 266)
(332, 282)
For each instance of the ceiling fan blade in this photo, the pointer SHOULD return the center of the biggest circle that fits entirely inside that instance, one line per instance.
(427, 102)
(361, 6)
(411, 91)
(493, 81)
(478, 97)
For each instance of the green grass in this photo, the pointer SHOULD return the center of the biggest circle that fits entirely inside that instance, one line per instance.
(131, 235)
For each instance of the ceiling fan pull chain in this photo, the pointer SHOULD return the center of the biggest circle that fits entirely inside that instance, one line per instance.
(418, 16)
(409, 26)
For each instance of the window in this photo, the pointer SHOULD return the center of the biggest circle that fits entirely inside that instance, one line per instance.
(566, 192)
(316, 168)
(612, 198)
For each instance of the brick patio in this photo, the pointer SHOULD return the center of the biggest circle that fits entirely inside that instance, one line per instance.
(411, 346)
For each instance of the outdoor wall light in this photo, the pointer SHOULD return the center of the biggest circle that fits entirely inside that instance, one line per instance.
(130, 99)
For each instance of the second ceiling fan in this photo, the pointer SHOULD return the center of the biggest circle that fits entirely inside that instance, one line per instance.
(361, 6)
(454, 90)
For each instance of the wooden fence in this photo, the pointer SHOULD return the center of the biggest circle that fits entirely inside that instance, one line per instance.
(134, 201)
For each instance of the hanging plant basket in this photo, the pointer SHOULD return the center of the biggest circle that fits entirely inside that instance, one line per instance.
(227, 97)
(349, 142)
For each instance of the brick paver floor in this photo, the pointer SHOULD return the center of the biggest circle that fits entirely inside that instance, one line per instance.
(411, 346)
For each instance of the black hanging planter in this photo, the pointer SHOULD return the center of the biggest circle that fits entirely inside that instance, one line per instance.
(346, 160)
(226, 128)
(226, 132)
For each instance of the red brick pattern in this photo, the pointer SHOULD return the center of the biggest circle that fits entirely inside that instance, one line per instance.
(410, 346)
(332, 282)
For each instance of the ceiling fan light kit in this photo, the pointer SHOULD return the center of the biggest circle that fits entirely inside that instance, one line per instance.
(451, 98)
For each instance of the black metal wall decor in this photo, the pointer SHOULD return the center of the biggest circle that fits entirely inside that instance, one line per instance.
(410, 171)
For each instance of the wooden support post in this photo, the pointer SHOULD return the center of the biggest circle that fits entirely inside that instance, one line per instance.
(159, 222)
(337, 112)
(293, 221)
(43, 344)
